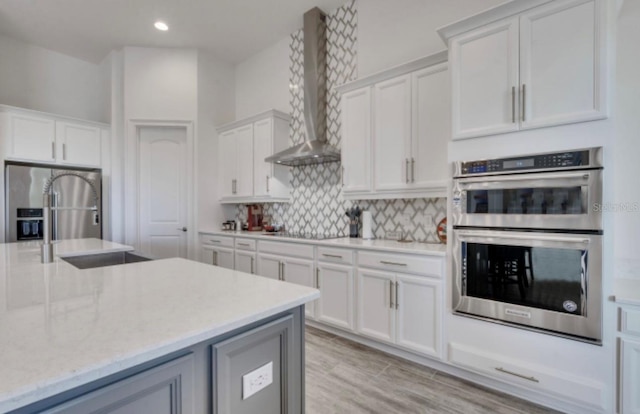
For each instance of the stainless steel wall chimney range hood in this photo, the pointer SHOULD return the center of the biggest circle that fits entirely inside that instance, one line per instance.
(316, 149)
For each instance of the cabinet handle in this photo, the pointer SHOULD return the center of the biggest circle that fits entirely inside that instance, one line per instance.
(53, 150)
(390, 294)
(252, 265)
(283, 279)
(515, 374)
(342, 177)
(406, 169)
(413, 170)
(397, 285)
(513, 104)
(317, 278)
(244, 244)
(267, 183)
(332, 255)
(64, 152)
(215, 258)
(215, 241)
(524, 102)
(392, 263)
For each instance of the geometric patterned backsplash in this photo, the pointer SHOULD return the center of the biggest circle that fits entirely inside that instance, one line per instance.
(316, 203)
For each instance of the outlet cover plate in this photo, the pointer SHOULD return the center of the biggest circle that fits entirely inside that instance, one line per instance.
(257, 380)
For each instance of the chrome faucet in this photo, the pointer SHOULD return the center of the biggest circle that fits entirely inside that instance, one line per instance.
(47, 246)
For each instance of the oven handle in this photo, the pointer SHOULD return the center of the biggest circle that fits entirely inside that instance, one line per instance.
(512, 181)
(469, 235)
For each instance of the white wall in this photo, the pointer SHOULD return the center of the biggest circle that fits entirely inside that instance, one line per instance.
(160, 83)
(394, 32)
(627, 148)
(262, 81)
(36, 78)
(216, 106)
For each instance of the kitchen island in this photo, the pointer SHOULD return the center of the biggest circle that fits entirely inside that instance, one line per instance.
(75, 339)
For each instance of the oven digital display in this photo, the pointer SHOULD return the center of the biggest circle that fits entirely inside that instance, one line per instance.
(522, 163)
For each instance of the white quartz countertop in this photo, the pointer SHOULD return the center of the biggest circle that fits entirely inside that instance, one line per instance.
(627, 291)
(346, 242)
(61, 327)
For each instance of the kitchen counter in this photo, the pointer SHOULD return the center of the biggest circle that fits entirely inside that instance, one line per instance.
(62, 327)
(627, 291)
(347, 242)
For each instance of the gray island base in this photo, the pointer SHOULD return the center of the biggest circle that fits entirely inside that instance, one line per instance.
(203, 378)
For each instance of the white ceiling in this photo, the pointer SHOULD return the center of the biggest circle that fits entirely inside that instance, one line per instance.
(233, 30)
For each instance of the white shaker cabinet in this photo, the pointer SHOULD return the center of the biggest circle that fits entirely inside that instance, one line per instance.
(376, 306)
(38, 137)
(336, 303)
(395, 130)
(244, 176)
(217, 256)
(245, 261)
(356, 141)
(544, 66)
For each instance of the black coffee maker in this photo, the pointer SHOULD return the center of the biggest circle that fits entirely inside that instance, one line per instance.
(354, 221)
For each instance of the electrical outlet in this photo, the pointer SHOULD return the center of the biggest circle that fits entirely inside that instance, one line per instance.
(257, 380)
(393, 235)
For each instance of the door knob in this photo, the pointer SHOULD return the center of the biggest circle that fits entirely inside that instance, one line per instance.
(182, 228)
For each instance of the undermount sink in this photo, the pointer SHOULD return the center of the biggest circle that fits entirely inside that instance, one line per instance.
(91, 261)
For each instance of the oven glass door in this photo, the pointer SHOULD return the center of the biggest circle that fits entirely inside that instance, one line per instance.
(543, 200)
(545, 280)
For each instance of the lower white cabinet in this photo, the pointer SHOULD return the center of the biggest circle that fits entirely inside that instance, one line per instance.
(630, 376)
(288, 269)
(400, 309)
(245, 261)
(168, 388)
(218, 256)
(336, 303)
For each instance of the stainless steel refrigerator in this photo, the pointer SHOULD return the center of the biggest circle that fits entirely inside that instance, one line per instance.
(75, 214)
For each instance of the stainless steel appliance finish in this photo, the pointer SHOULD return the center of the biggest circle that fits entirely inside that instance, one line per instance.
(548, 191)
(559, 289)
(73, 217)
(315, 149)
(527, 242)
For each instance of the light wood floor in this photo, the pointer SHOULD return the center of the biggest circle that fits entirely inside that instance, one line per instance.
(346, 377)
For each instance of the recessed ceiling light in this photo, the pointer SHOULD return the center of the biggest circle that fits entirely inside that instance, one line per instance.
(161, 26)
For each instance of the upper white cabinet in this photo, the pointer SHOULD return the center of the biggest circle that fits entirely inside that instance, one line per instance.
(395, 129)
(244, 176)
(36, 137)
(530, 68)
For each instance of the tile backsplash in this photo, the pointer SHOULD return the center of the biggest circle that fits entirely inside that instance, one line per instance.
(316, 204)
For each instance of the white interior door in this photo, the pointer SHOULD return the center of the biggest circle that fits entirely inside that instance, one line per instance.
(163, 191)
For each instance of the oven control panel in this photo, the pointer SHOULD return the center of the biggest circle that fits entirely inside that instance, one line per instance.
(551, 161)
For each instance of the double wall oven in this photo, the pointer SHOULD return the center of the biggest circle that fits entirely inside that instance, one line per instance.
(527, 234)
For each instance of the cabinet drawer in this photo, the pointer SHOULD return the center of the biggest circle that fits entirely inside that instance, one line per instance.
(630, 322)
(541, 378)
(421, 265)
(287, 249)
(215, 240)
(327, 254)
(245, 244)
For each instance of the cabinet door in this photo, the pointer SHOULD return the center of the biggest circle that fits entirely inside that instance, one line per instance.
(245, 261)
(217, 256)
(271, 347)
(356, 140)
(335, 306)
(269, 266)
(484, 80)
(207, 255)
(32, 138)
(262, 148)
(630, 376)
(78, 144)
(244, 161)
(376, 310)
(392, 133)
(431, 121)
(561, 64)
(227, 163)
(167, 389)
(300, 272)
(418, 314)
